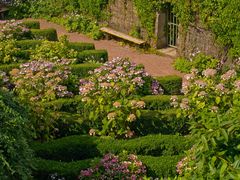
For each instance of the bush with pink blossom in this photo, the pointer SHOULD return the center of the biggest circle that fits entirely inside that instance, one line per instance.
(116, 167)
(212, 107)
(12, 29)
(111, 96)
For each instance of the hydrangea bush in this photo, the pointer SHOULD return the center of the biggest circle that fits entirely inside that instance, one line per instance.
(111, 94)
(9, 53)
(116, 167)
(13, 30)
(52, 51)
(212, 105)
(41, 80)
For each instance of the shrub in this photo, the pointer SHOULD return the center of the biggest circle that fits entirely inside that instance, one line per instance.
(8, 52)
(110, 97)
(31, 24)
(99, 56)
(28, 44)
(46, 169)
(63, 104)
(8, 67)
(164, 122)
(15, 154)
(50, 50)
(111, 166)
(13, 30)
(41, 81)
(74, 147)
(212, 105)
(81, 70)
(170, 84)
(158, 102)
(80, 46)
(164, 166)
(46, 34)
(198, 61)
(183, 65)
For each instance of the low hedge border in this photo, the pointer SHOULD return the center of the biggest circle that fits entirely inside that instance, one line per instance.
(8, 67)
(100, 56)
(81, 70)
(63, 104)
(71, 170)
(158, 102)
(171, 84)
(31, 24)
(81, 46)
(74, 147)
(163, 167)
(48, 34)
(28, 44)
(163, 122)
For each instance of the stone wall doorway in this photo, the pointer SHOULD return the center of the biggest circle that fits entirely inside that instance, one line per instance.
(172, 29)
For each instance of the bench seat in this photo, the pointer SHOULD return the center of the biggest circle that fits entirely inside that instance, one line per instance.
(121, 35)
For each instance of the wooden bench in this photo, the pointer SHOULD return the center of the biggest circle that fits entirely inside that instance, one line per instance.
(123, 36)
(3, 10)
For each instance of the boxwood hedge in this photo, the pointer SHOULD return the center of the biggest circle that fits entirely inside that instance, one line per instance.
(78, 147)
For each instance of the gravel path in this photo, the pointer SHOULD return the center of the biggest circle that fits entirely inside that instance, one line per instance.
(154, 64)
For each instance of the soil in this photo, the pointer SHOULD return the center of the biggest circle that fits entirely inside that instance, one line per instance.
(155, 65)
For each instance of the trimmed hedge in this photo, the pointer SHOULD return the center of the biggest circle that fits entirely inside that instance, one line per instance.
(164, 122)
(80, 46)
(157, 102)
(63, 104)
(171, 84)
(164, 166)
(31, 24)
(48, 34)
(44, 168)
(74, 147)
(81, 70)
(8, 67)
(28, 44)
(92, 55)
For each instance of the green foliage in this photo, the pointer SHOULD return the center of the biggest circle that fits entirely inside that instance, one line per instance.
(47, 34)
(52, 51)
(183, 65)
(8, 52)
(70, 170)
(8, 67)
(15, 154)
(212, 105)
(170, 84)
(80, 46)
(82, 70)
(110, 95)
(164, 122)
(221, 17)
(28, 44)
(74, 147)
(31, 24)
(99, 56)
(157, 102)
(163, 166)
(199, 61)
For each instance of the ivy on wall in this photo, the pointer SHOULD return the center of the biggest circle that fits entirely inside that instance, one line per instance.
(222, 17)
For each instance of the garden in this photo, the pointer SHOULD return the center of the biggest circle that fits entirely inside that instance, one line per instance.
(69, 112)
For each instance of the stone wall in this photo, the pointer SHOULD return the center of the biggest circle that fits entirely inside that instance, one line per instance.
(124, 17)
(199, 39)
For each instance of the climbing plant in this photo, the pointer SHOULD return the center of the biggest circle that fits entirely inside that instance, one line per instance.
(220, 16)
